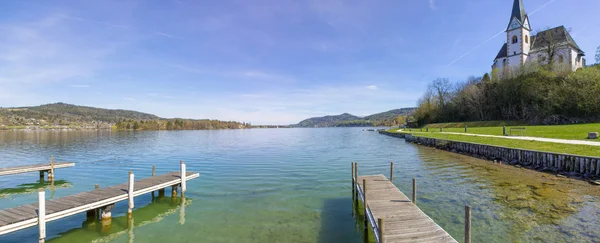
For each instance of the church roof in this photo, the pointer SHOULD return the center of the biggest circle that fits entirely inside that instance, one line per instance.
(503, 52)
(558, 35)
(518, 11)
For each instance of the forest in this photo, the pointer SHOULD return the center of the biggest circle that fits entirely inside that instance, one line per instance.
(534, 94)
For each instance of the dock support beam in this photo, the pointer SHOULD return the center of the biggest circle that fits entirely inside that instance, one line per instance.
(106, 218)
(42, 176)
(174, 191)
(353, 186)
(414, 191)
(467, 224)
(356, 178)
(380, 224)
(93, 213)
(182, 175)
(42, 215)
(130, 194)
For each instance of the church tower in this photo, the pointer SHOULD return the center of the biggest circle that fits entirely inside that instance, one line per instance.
(518, 39)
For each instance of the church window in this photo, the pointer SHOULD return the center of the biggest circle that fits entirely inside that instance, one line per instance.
(560, 59)
(514, 39)
(526, 39)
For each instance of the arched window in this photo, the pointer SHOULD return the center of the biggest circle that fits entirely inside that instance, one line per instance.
(560, 59)
(526, 39)
(514, 39)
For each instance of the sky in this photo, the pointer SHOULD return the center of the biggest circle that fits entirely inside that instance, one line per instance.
(259, 61)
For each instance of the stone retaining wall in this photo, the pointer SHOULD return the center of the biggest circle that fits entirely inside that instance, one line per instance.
(545, 161)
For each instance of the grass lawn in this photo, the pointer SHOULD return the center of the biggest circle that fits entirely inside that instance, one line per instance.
(584, 150)
(574, 132)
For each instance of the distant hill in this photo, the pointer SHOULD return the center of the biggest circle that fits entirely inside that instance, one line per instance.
(67, 116)
(327, 121)
(348, 120)
(61, 112)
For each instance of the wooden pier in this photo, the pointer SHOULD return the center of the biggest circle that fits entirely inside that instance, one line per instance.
(391, 214)
(95, 202)
(48, 168)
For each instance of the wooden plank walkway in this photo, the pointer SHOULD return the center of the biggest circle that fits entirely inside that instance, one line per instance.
(25, 216)
(403, 220)
(32, 168)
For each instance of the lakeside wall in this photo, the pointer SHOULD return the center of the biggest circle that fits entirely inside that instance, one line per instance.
(545, 161)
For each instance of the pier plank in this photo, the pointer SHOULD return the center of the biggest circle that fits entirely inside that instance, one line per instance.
(25, 216)
(404, 221)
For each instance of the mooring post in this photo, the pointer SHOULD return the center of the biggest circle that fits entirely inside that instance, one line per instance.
(51, 171)
(356, 181)
(130, 194)
(183, 175)
(414, 191)
(392, 172)
(381, 227)
(153, 170)
(467, 224)
(42, 214)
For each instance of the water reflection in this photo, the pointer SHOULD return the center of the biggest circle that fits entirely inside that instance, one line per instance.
(27, 188)
(95, 230)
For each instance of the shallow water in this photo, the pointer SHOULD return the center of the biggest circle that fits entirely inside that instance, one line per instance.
(287, 185)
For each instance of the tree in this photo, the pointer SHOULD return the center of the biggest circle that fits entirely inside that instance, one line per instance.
(547, 41)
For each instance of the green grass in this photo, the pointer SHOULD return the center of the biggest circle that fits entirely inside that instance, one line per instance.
(573, 132)
(584, 150)
(475, 124)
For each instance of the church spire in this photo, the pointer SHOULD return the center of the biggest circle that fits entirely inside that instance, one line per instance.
(518, 11)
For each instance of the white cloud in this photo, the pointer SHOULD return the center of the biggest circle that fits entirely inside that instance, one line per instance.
(371, 87)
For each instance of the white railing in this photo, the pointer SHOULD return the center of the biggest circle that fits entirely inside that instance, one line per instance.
(368, 213)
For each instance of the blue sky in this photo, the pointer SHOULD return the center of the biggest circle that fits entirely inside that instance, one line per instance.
(259, 61)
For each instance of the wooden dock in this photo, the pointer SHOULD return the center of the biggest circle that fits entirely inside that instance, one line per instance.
(47, 168)
(33, 168)
(392, 215)
(92, 202)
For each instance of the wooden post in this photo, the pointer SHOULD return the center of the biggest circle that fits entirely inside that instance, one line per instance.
(97, 187)
(504, 130)
(130, 194)
(183, 175)
(51, 171)
(392, 172)
(41, 175)
(465, 128)
(427, 129)
(380, 224)
(42, 215)
(440, 129)
(467, 224)
(414, 191)
(92, 213)
(356, 181)
(153, 170)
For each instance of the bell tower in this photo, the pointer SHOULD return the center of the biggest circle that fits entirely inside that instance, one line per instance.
(518, 39)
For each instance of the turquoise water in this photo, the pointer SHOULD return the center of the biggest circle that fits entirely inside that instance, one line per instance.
(287, 185)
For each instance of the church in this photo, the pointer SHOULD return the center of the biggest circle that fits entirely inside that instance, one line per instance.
(554, 44)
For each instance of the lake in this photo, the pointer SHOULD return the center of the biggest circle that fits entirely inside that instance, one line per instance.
(287, 185)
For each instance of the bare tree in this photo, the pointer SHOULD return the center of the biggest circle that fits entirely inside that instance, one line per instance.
(598, 55)
(547, 41)
(441, 87)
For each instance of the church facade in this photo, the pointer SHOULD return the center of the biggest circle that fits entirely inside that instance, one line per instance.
(522, 47)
